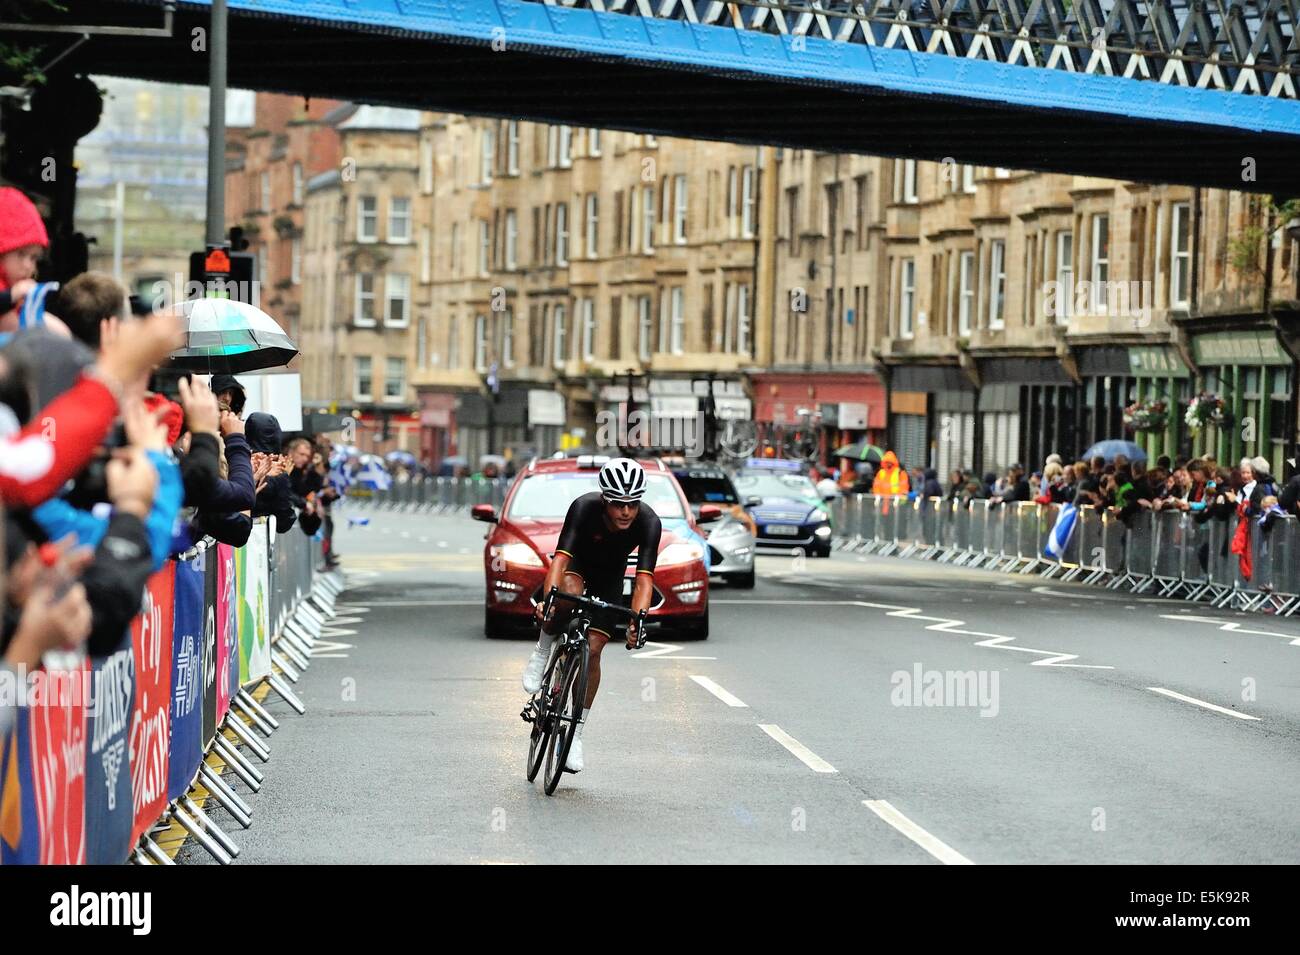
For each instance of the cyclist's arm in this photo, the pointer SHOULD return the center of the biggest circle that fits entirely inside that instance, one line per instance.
(647, 557)
(564, 549)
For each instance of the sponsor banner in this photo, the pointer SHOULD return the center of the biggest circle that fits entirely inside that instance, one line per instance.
(227, 593)
(211, 573)
(43, 786)
(109, 810)
(186, 723)
(254, 622)
(151, 641)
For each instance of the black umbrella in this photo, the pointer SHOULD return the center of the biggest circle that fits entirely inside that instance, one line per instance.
(860, 451)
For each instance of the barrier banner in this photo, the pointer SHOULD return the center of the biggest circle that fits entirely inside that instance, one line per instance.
(43, 806)
(211, 572)
(254, 619)
(227, 594)
(186, 678)
(151, 640)
(109, 810)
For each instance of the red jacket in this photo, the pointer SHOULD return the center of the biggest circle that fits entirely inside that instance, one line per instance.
(56, 444)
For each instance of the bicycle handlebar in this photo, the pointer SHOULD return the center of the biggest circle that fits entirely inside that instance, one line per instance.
(597, 604)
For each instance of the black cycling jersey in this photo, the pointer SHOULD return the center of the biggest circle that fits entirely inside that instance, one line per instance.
(599, 554)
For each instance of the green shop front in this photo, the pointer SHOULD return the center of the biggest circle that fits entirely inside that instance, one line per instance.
(1160, 387)
(1254, 377)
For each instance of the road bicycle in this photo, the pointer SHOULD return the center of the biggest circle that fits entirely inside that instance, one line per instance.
(555, 710)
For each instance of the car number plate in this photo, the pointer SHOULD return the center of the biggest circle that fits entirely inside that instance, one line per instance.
(783, 530)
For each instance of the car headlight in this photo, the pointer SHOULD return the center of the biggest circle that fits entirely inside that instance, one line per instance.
(681, 552)
(516, 553)
(818, 517)
(730, 529)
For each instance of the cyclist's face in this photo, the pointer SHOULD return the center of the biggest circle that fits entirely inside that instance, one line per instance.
(621, 514)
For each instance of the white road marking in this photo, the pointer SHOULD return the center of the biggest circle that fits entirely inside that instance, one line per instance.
(665, 649)
(805, 755)
(994, 641)
(927, 841)
(1195, 702)
(1232, 627)
(718, 691)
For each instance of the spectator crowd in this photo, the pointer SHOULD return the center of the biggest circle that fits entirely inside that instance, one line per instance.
(110, 462)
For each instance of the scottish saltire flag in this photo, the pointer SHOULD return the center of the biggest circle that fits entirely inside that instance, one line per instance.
(372, 475)
(1059, 539)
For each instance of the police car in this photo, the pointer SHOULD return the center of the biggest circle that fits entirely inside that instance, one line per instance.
(790, 513)
(731, 539)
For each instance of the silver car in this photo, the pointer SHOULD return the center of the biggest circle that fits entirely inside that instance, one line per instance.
(731, 542)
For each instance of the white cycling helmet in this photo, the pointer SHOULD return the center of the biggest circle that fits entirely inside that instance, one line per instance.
(622, 479)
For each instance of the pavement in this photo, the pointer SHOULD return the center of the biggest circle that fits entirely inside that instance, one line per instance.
(851, 709)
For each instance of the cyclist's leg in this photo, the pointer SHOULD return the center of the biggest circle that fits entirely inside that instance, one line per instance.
(596, 640)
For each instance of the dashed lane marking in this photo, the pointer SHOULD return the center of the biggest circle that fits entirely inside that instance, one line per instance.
(1201, 703)
(1231, 627)
(805, 755)
(923, 838)
(718, 691)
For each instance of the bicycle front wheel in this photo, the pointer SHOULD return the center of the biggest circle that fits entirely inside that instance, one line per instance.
(567, 709)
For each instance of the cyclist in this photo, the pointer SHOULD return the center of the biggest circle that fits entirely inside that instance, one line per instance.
(600, 530)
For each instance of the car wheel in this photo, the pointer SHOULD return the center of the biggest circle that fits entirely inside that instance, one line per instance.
(824, 552)
(740, 581)
(495, 624)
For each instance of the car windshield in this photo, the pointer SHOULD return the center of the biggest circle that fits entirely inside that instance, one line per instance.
(546, 497)
(766, 484)
(708, 489)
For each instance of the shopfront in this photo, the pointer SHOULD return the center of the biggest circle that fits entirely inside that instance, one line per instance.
(1254, 378)
(1163, 385)
(842, 407)
(933, 418)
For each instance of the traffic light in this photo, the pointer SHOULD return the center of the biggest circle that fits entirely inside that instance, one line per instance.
(225, 274)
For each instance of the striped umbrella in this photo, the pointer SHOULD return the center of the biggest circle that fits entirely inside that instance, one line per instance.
(230, 337)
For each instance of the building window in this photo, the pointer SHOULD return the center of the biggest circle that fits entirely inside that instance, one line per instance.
(562, 233)
(906, 297)
(592, 225)
(965, 292)
(362, 385)
(512, 240)
(487, 155)
(560, 338)
(295, 260)
(905, 180)
(672, 320)
(508, 338)
(363, 310)
(588, 307)
(367, 219)
(426, 166)
(566, 147)
(644, 323)
(1100, 261)
(1180, 270)
(399, 220)
(593, 142)
(997, 283)
(297, 184)
(266, 192)
(484, 247)
(967, 178)
(397, 312)
(512, 147)
(480, 343)
(736, 329)
(748, 202)
(679, 209)
(395, 379)
(1064, 276)
(648, 219)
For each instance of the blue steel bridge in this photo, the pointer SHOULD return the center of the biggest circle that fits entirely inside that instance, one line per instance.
(1198, 92)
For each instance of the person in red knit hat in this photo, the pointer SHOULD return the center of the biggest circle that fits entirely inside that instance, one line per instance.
(23, 240)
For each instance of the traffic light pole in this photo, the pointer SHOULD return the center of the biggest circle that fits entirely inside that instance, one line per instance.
(216, 224)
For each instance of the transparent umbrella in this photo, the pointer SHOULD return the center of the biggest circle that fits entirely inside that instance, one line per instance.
(229, 337)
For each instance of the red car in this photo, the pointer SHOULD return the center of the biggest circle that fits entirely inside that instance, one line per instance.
(522, 542)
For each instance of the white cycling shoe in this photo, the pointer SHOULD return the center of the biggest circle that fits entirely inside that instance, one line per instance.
(535, 670)
(574, 763)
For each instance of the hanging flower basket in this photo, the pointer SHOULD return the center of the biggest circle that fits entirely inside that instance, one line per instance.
(1207, 408)
(1147, 416)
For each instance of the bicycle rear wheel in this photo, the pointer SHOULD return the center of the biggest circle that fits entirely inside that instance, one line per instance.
(567, 710)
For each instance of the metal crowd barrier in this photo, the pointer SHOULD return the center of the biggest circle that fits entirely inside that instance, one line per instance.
(1168, 553)
(435, 494)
